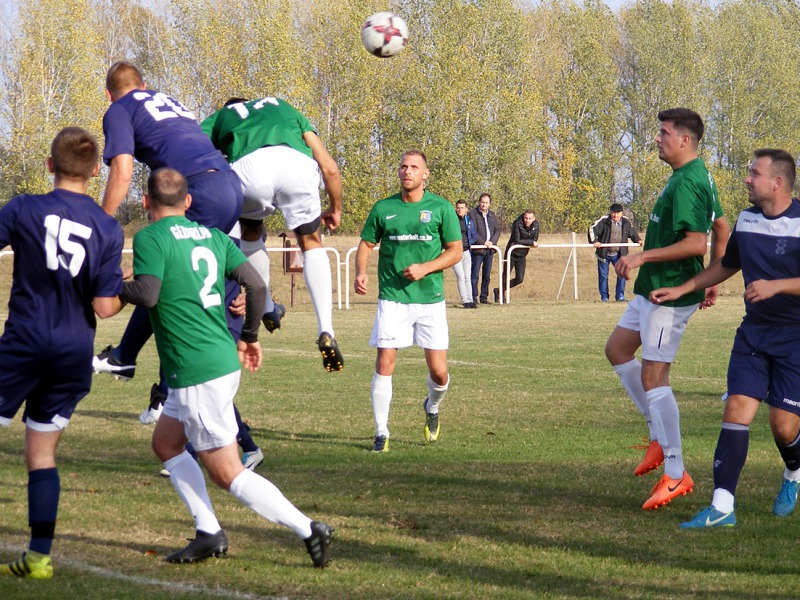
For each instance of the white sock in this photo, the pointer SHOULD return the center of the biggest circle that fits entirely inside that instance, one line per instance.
(436, 394)
(630, 374)
(256, 253)
(667, 424)
(187, 478)
(791, 475)
(381, 399)
(722, 500)
(263, 497)
(317, 273)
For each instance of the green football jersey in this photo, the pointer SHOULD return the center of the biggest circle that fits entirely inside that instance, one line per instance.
(241, 128)
(189, 324)
(688, 203)
(410, 233)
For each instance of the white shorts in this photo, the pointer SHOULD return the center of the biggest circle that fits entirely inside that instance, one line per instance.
(279, 177)
(399, 325)
(206, 411)
(660, 327)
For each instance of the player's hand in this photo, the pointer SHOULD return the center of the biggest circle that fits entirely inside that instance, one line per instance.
(761, 289)
(249, 355)
(628, 263)
(664, 294)
(237, 307)
(127, 272)
(360, 284)
(414, 272)
(710, 299)
(331, 218)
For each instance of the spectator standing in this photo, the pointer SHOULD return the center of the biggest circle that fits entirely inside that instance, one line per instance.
(613, 228)
(463, 268)
(524, 231)
(488, 232)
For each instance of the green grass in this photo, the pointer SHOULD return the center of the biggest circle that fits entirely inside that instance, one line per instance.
(529, 492)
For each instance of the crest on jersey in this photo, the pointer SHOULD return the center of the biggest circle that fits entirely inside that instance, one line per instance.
(425, 216)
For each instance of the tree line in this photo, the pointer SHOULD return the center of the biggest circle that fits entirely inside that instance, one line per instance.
(548, 105)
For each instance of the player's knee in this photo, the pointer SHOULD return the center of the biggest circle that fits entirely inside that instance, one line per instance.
(784, 432)
(164, 448)
(439, 376)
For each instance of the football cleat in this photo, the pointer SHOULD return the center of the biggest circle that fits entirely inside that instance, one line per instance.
(431, 424)
(381, 444)
(786, 499)
(250, 460)
(153, 411)
(332, 358)
(30, 564)
(204, 546)
(668, 489)
(710, 517)
(653, 458)
(164, 472)
(272, 320)
(318, 543)
(106, 362)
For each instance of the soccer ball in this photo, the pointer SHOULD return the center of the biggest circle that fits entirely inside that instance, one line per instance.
(384, 34)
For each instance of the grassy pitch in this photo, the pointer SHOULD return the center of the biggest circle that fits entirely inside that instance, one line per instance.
(529, 492)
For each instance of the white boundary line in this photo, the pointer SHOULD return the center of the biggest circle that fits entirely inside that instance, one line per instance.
(184, 588)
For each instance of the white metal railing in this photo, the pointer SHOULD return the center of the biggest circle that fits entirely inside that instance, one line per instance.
(333, 251)
(502, 267)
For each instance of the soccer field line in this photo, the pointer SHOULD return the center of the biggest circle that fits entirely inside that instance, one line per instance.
(533, 367)
(188, 588)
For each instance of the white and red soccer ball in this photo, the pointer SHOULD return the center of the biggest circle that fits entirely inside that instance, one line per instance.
(384, 34)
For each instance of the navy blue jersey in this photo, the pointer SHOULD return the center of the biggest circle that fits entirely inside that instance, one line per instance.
(767, 248)
(159, 131)
(66, 252)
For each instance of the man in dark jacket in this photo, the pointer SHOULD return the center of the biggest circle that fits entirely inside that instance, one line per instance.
(488, 234)
(524, 231)
(613, 228)
(463, 269)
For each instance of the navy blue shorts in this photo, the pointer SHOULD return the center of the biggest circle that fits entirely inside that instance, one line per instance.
(765, 365)
(216, 199)
(49, 383)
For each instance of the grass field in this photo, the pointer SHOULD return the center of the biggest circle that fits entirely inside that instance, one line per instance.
(528, 494)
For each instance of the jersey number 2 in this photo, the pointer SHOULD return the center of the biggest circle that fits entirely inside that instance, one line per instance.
(207, 297)
(60, 250)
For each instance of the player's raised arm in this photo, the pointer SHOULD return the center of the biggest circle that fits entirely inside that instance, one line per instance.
(331, 176)
(119, 181)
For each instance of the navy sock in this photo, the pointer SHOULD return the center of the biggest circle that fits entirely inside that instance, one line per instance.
(730, 455)
(246, 442)
(137, 332)
(44, 489)
(790, 453)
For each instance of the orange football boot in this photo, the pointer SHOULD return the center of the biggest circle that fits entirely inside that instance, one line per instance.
(668, 488)
(653, 458)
